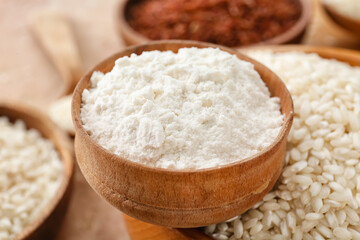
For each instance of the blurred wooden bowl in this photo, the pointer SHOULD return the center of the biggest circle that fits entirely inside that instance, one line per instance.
(349, 23)
(292, 35)
(47, 223)
(181, 198)
(351, 57)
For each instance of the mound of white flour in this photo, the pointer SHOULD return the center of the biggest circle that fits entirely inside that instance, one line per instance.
(198, 108)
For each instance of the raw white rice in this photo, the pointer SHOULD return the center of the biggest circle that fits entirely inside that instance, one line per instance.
(350, 8)
(318, 196)
(31, 172)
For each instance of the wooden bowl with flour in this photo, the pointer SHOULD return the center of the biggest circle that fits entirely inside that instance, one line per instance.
(181, 198)
(47, 222)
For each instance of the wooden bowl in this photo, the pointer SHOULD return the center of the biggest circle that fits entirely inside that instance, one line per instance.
(180, 198)
(292, 35)
(47, 223)
(349, 23)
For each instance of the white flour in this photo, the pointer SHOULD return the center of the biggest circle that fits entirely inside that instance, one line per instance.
(199, 108)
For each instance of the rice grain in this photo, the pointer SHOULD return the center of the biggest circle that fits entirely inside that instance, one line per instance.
(31, 172)
(318, 195)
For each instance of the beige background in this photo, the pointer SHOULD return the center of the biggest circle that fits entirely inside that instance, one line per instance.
(27, 75)
(25, 69)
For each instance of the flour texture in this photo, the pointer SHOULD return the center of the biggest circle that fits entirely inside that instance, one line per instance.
(194, 109)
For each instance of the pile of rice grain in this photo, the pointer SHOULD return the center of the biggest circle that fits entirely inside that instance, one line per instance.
(318, 196)
(30, 174)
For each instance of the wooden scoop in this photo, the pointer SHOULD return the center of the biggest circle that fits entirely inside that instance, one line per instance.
(56, 37)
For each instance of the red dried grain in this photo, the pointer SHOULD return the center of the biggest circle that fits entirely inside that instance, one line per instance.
(226, 22)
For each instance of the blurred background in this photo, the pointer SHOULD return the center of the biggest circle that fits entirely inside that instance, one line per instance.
(94, 27)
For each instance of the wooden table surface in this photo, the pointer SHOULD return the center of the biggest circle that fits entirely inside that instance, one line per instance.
(27, 75)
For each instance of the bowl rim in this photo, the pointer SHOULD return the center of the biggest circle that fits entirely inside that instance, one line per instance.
(76, 109)
(62, 147)
(300, 25)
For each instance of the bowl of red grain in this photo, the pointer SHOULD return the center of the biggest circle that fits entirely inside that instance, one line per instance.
(233, 23)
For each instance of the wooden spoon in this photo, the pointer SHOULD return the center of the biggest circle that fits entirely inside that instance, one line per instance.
(56, 37)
